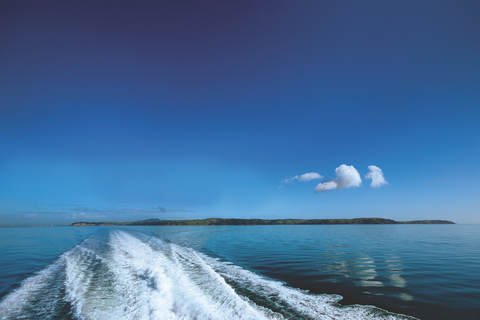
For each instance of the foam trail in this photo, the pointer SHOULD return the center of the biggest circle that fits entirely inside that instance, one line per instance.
(126, 275)
(39, 297)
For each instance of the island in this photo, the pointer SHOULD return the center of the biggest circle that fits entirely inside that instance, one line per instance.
(255, 222)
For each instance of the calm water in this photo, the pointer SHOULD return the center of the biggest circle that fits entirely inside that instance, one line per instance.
(241, 272)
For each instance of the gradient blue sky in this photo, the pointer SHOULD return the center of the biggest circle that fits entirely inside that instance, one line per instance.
(126, 110)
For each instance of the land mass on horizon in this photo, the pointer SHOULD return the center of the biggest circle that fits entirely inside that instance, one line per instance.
(236, 222)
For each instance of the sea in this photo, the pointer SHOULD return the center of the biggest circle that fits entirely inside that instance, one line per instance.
(241, 272)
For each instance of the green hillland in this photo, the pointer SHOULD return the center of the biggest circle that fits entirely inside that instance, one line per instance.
(251, 222)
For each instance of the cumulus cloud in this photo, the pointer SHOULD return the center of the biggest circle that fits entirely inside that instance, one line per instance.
(326, 185)
(304, 177)
(310, 176)
(347, 177)
(376, 175)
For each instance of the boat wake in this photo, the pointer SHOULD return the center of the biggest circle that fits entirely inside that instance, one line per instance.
(126, 275)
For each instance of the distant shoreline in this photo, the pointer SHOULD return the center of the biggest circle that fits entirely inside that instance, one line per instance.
(256, 222)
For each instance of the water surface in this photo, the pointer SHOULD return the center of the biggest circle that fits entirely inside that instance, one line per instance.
(241, 272)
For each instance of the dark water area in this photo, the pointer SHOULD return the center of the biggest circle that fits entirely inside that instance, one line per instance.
(241, 272)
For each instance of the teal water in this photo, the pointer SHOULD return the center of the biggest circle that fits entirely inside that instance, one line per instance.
(241, 272)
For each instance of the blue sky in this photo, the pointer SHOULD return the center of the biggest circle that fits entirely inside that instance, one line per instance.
(122, 111)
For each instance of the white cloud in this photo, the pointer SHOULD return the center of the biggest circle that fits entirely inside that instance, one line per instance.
(376, 174)
(304, 177)
(347, 177)
(310, 176)
(325, 186)
(291, 179)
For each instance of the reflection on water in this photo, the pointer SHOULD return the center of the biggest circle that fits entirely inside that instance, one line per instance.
(397, 281)
(395, 269)
(405, 296)
(366, 274)
(366, 271)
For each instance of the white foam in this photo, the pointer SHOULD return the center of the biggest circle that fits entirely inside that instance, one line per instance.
(36, 288)
(170, 282)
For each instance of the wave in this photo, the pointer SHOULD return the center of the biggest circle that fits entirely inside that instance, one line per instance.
(125, 275)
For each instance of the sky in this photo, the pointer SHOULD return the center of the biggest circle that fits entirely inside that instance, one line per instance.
(129, 110)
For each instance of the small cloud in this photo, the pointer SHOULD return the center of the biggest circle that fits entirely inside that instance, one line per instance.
(325, 186)
(310, 176)
(347, 177)
(304, 177)
(291, 179)
(376, 175)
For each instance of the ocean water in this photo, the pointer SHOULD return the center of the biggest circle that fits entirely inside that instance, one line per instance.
(241, 272)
